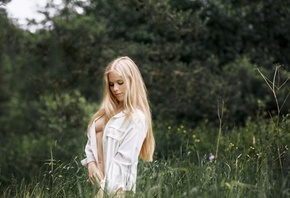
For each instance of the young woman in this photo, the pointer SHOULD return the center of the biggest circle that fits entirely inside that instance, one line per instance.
(120, 131)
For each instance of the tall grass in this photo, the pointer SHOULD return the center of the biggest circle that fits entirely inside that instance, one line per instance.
(231, 176)
(247, 166)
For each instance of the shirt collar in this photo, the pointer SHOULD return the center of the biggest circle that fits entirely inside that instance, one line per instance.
(120, 114)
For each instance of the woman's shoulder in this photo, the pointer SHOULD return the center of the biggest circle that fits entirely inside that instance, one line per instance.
(139, 117)
(138, 113)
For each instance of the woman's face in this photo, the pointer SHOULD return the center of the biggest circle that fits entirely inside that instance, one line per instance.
(117, 86)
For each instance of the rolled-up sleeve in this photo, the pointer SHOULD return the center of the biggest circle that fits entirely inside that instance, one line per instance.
(91, 151)
(89, 154)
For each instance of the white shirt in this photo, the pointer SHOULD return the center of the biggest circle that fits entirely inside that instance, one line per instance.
(122, 142)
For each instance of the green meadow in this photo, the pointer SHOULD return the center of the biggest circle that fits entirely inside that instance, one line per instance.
(249, 161)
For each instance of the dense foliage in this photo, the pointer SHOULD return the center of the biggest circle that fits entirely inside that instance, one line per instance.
(200, 59)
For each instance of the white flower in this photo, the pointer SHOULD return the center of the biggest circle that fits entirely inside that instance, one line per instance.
(211, 157)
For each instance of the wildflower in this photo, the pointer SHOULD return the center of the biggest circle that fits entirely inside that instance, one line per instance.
(211, 157)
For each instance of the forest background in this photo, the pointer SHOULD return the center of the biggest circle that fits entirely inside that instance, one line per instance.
(217, 75)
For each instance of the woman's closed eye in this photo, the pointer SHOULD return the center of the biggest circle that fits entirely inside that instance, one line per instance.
(119, 83)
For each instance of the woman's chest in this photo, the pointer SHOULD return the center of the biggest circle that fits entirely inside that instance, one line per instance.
(115, 130)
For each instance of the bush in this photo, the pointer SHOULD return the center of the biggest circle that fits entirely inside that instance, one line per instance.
(56, 123)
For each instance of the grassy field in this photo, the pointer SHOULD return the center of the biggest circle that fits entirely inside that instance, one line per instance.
(250, 161)
(237, 177)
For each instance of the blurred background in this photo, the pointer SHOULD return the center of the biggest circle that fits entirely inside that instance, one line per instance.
(195, 56)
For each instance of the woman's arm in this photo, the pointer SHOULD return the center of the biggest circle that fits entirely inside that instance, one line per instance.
(89, 153)
(95, 174)
(95, 165)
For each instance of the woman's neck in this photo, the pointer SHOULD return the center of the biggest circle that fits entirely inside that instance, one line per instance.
(120, 107)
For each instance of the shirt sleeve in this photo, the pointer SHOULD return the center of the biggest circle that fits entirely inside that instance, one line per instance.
(89, 153)
(122, 172)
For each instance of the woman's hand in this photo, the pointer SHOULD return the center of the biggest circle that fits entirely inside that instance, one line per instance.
(95, 174)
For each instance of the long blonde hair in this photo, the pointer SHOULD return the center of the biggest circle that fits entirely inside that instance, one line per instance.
(135, 98)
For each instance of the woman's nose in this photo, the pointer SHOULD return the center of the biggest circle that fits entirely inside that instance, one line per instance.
(115, 87)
